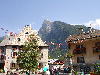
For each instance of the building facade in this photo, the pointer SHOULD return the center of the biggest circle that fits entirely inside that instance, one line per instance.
(12, 43)
(85, 49)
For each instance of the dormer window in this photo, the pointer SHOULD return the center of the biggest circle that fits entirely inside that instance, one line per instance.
(18, 39)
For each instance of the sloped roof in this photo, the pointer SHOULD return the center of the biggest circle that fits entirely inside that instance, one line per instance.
(21, 38)
(84, 36)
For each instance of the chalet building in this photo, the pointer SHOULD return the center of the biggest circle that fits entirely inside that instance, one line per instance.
(85, 48)
(12, 43)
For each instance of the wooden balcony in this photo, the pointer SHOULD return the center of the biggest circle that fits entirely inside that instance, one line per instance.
(79, 50)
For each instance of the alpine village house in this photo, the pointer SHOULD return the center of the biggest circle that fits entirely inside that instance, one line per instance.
(85, 48)
(12, 43)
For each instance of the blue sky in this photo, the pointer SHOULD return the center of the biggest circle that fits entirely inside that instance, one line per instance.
(15, 14)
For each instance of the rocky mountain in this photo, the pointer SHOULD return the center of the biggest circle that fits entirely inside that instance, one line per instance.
(56, 33)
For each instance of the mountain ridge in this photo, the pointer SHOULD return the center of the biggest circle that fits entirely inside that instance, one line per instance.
(51, 29)
(56, 33)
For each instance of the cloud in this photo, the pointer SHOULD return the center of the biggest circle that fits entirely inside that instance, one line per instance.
(94, 24)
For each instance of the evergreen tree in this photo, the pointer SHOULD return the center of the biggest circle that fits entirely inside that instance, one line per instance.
(29, 55)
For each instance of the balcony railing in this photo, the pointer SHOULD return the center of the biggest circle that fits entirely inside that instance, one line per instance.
(79, 50)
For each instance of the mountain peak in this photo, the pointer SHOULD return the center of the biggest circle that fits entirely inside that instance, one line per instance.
(46, 26)
(47, 22)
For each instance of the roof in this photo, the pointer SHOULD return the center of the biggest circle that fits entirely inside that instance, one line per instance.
(83, 36)
(21, 38)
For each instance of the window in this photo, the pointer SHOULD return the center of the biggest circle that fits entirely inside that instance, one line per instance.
(14, 53)
(13, 64)
(9, 38)
(41, 55)
(14, 47)
(97, 43)
(26, 33)
(18, 39)
(79, 46)
(2, 57)
(80, 59)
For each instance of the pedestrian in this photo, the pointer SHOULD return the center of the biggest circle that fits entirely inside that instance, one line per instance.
(27, 73)
(65, 70)
(58, 71)
(6, 70)
(47, 72)
(51, 70)
(45, 68)
(11, 73)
